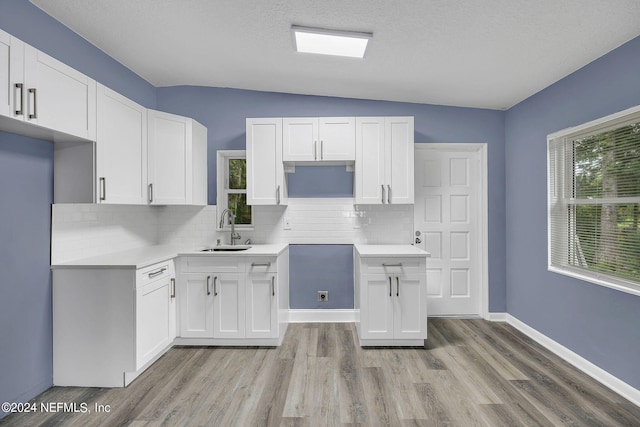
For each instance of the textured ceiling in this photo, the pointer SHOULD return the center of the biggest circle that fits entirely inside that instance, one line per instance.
(487, 54)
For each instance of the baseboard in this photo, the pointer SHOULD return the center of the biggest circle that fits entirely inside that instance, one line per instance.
(594, 371)
(496, 317)
(322, 316)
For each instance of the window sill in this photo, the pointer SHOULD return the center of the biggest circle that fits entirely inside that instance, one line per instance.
(598, 279)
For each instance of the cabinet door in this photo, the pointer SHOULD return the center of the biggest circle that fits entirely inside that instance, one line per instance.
(409, 307)
(12, 90)
(376, 307)
(265, 172)
(300, 139)
(153, 320)
(261, 305)
(196, 305)
(369, 180)
(121, 149)
(337, 138)
(169, 159)
(59, 97)
(228, 305)
(399, 160)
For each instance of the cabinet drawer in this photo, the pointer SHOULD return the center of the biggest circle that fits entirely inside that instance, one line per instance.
(393, 265)
(219, 264)
(154, 272)
(260, 265)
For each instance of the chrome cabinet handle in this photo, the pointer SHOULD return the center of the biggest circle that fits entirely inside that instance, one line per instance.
(173, 287)
(273, 286)
(157, 272)
(20, 112)
(103, 188)
(208, 289)
(260, 264)
(321, 150)
(397, 286)
(278, 195)
(150, 193)
(315, 150)
(35, 104)
(215, 286)
(389, 194)
(389, 285)
(399, 264)
(382, 194)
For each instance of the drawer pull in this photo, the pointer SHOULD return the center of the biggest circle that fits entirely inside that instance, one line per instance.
(157, 272)
(260, 264)
(173, 287)
(399, 264)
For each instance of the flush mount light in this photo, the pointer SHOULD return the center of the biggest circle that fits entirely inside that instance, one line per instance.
(330, 42)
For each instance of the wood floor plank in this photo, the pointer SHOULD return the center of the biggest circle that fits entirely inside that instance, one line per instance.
(470, 373)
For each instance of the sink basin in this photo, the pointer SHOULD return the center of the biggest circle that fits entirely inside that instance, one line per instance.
(228, 248)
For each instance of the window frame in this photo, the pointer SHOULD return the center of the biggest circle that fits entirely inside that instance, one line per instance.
(222, 174)
(556, 199)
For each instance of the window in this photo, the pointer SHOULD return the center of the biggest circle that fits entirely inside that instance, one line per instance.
(232, 187)
(594, 201)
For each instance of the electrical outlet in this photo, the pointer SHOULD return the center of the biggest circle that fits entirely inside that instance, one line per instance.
(323, 296)
(287, 223)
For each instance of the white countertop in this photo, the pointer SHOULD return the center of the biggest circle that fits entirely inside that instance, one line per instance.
(144, 257)
(390, 251)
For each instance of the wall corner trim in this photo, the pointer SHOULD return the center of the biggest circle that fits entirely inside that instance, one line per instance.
(594, 371)
(322, 316)
(496, 317)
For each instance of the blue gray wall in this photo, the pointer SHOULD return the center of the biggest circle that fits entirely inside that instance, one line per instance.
(26, 188)
(598, 323)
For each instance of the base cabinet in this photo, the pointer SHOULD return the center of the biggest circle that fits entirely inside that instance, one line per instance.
(390, 297)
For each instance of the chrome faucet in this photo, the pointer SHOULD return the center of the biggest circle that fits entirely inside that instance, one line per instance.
(232, 220)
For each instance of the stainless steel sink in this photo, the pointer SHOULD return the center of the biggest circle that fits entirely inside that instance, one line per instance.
(227, 248)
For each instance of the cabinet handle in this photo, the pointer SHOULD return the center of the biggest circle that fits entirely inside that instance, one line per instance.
(315, 150)
(392, 265)
(35, 104)
(382, 194)
(173, 287)
(397, 286)
(208, 289)
(389, 194)
(20, 112)
(103, 188)
(157, 272)
(278, 195)
(150, 193)
(215, 286)
(260, 264)
(321, 150)
(273, 286)
(389, 285)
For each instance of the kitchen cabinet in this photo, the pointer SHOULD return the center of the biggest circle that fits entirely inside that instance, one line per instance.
(390, 298)
(330, 139)
(233, 299)
(384, 164)
(266, 180)
(55, 100)
(176, 160)
(110, 323)
(121, 149)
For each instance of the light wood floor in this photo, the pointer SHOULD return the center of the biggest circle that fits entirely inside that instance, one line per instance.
(471, 373)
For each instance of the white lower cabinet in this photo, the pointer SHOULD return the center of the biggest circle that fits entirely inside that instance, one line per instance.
(233, 300)
(110, 323)
(390, 300)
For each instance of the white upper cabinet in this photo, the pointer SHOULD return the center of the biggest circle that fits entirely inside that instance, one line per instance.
(266, 183)
(40, 90)
(384, 160)
(177, 156)
(318, 139)
(121, 149)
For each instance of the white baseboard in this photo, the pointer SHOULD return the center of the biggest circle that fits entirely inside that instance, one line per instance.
(578, 361)
(322, 316)
(496, 317)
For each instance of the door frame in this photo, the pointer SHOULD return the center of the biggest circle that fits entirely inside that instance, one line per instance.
(482, 210)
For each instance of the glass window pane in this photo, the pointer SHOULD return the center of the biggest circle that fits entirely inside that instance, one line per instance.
(237, 174)
(238, 205)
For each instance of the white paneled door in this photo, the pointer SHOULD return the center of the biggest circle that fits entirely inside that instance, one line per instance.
(447, 213)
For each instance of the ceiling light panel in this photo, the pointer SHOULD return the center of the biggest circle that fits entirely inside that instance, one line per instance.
(330, 42)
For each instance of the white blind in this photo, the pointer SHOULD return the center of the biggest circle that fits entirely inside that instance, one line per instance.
(594, 200)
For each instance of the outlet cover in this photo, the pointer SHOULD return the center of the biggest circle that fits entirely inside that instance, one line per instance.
(323, 296)
(287, 223)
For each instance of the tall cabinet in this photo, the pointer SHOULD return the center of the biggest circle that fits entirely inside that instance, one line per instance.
(266, 181)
